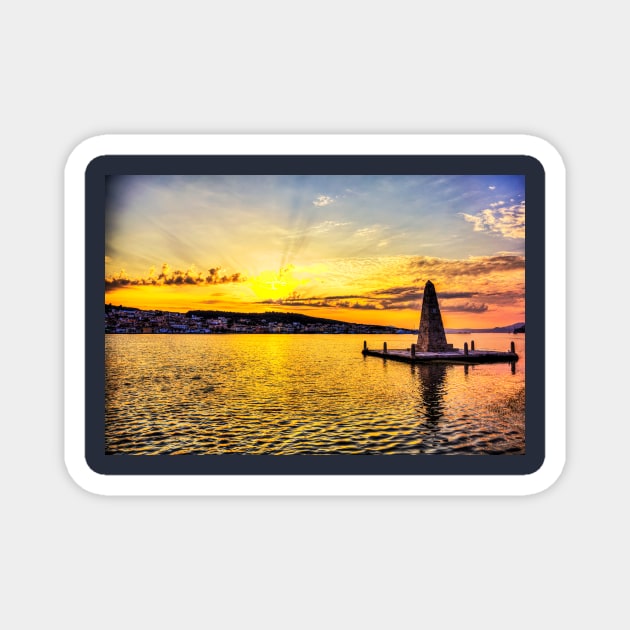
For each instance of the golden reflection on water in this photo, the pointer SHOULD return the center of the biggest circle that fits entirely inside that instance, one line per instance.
(305, 394)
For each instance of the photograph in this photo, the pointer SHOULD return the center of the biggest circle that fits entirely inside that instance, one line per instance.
(314, 314)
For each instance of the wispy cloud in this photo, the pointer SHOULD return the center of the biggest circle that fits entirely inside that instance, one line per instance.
(393, 299)
(445, 269)
(326, 226)
(466, 307)
(323, 200)
(369, 230)
(508, 222)
(312, 230)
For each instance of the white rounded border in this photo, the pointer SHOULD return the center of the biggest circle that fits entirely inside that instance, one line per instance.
(314, 144)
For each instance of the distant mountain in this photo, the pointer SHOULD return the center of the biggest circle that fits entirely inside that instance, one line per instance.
(289, 318)
(518, 327)
(284, 317)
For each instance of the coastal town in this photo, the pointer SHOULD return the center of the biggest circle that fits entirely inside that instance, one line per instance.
(135, 321)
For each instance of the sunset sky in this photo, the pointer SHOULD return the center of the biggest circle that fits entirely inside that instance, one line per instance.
(357, 248)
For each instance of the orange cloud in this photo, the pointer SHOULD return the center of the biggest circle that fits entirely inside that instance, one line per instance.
(177, 278)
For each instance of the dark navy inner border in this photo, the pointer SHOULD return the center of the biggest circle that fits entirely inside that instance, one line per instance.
(95, 177)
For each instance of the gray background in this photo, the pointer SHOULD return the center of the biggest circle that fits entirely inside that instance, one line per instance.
(71, 70)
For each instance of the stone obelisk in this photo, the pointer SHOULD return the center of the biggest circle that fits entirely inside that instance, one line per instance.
(431, 336)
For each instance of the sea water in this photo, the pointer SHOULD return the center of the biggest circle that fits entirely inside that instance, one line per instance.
(287, 394)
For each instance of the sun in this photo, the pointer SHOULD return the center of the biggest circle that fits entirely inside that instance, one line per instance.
(272, 285)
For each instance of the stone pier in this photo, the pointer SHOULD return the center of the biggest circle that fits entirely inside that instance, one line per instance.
(431, 346)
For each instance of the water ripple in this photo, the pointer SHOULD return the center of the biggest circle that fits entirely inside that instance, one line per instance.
(303, 394)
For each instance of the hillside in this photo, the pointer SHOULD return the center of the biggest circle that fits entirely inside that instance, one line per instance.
(497, 329)
(260, 319)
